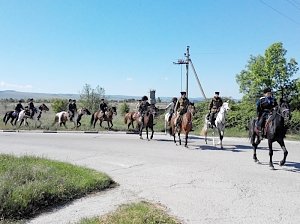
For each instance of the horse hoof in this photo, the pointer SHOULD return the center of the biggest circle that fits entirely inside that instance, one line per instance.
(281, 163)
(141, 137)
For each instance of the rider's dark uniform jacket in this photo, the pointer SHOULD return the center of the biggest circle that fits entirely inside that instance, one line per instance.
(103, 107)
(31, 106)
(215, 104)
(19, 107)
(182, 105)
(264, 105)
(144, 107)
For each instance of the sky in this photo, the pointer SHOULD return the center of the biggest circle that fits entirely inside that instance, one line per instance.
(128, 47)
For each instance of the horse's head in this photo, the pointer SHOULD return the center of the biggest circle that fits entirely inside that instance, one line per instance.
(114, 110)
(85, 111)
(44, 107)
(192, 108)
(284, 109)
(225, 106)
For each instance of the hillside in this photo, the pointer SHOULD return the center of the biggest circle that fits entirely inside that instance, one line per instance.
(7, 94)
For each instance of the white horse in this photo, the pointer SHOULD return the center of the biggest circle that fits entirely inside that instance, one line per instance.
(167, 117)
(36, 117)
(219, 124)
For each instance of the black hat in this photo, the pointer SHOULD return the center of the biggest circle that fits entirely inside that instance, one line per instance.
(31, 99)
(174, 99)
(217, 93)
(183, 93)
(267, 90)
(20, 101)
(144, 98)
(102, 99)
(70, 100)
(74, 100)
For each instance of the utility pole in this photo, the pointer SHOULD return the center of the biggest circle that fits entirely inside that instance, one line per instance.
(188, 61)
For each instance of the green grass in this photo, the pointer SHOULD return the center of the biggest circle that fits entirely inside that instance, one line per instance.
(29, 184)
(137, 213)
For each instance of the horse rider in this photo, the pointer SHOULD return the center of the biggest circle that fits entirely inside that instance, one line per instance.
(103, 107)
(143, 108)
(32, 108)
(181, 108)
(214, 107)
(71, 109)
(264, 107)
(18, 108)
(171, 107)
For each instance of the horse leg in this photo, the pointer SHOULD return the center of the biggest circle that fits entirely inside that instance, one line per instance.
(285, 152)
(147, 133)
(270, 154)
(152, 132)
(179, 139)
(221, 135)
(186, 140)
(213, 136)
(141, 131)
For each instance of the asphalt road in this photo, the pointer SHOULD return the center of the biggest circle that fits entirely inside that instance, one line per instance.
(200, 184)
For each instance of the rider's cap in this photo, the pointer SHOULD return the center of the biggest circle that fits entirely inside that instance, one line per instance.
(70, 100)
(74, 100)
(102, 99)
(183, 93)
(267, 90)
(174, 99)
(217, 93)
(20, 101)
(144, 98)
(31, 99)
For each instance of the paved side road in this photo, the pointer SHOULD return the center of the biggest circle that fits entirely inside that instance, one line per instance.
(201, 184)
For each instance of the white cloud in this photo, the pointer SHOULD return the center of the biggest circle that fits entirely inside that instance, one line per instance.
(165, 78)
(14, 86)
(129, 79)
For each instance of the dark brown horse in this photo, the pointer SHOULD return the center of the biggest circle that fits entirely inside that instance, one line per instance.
(147, 122)
(99, 115)
(130, 117)
(185, 125)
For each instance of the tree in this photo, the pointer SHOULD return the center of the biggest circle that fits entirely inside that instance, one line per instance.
(271, 70)
(59, 105)
(90, 98)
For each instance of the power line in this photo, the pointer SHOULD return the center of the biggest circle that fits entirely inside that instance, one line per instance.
(280, 13)
(294, 4)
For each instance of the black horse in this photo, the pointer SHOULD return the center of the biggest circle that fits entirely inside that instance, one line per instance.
(274, 130)
(12, 116)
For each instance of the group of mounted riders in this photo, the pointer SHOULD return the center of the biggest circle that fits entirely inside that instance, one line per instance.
(30, 109)
(264, 107)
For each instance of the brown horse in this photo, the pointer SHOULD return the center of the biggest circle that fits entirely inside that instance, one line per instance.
(147, 122)
(98, 115)
(185, 124)
(130, 117)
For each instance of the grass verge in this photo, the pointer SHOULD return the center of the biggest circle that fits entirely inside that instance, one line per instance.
(30, 184)
(140, 213)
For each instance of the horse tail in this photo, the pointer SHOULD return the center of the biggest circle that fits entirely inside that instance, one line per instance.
(125, 119)
(4, 118)
(204, 129)
(92, 119)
